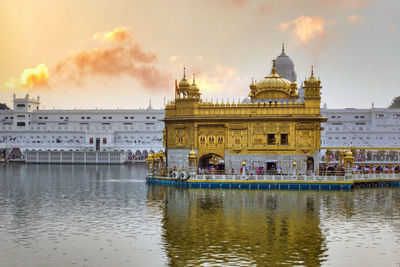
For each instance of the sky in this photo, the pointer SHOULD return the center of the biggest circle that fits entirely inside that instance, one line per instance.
(122, 53)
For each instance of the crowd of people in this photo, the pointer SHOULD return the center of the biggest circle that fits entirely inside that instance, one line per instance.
(220, 169)
(324, 169)
(338, 169)
(212, 169)
(12, 155)
(379, 168)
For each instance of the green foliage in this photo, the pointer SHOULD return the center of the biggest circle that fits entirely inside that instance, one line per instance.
(395, 102)
(3, 106)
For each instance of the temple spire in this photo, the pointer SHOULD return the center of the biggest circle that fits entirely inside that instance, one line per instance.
(312, 73)
(273, 71)
(194, 78)
(283, 47)
(184, 73)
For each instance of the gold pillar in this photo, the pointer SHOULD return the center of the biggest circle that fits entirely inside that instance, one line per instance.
(150, 162)
(192, 158)
(348, 160)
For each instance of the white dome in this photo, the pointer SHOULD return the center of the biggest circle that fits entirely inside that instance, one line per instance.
(285, 66)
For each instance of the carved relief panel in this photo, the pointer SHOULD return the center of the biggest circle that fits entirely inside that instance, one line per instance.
(180, 135)
(211, 136)
(258, 137)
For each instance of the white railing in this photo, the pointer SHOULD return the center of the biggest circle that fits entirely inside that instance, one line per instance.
(186, 173)
(75, 157)
(333, 178)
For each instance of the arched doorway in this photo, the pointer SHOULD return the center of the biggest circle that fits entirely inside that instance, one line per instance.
(138, 155)
(310, 164)
(212, 163)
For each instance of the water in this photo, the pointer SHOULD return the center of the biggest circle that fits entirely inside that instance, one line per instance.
(63, 215)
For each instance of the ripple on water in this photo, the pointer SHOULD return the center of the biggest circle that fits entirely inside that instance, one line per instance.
(103, 215)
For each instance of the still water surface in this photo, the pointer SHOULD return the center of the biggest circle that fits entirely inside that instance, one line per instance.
(63, 215)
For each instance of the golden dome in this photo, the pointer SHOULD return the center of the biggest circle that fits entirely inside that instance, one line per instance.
(348, 153)
(312, 78)
(192, 154)
(194, 86)
(273, 86)
(150, 157)
(184, 83)
(273, 81)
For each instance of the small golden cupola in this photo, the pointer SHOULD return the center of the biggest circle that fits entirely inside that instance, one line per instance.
(273, 86)
(183, 89)
(312, 86)
(194, 89)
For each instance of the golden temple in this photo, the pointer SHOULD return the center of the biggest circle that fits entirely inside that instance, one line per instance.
(275, 128)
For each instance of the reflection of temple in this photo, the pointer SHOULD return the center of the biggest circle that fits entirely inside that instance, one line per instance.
(262, 228)
(274, 128)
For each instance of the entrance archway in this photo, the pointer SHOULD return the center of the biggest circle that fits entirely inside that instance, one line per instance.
(212, 163)
(310, 164)
(270, 166)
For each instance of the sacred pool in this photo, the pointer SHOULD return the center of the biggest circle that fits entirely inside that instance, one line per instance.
(88, 215)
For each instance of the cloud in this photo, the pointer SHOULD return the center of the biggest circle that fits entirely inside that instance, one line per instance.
(355, 18)
(173, 59)
(305, 28)
(214, 81)
(37, 77)
(117, 55)
(217, 81)
(30, 78)
(119, 34)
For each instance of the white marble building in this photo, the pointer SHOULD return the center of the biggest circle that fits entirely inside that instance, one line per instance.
(26, 126)
(369, 128)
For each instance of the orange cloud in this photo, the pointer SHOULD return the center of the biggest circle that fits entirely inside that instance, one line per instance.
(119, 34)
(305, 28)
(37, 77)
(116, 55)
(121, 57)
(355, 18)
(216, 81)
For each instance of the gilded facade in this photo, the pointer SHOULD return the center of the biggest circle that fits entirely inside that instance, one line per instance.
(274, 128)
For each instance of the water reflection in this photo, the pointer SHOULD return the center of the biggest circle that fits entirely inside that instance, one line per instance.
(54, 215)
(240, 227)
(57, 215)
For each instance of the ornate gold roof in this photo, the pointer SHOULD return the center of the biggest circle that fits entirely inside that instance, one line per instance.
(312, 78)
(273, 86)
(194, 86)
(192, 154)
(184, 83)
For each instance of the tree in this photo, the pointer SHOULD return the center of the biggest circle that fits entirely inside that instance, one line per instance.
(3, 106)
(395, 102)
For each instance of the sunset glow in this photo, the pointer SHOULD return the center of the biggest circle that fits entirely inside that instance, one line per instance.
(35, 77)
(134, 50)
